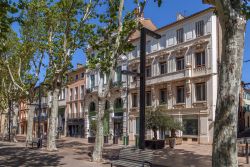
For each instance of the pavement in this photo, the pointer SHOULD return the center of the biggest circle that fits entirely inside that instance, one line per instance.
(73, 152)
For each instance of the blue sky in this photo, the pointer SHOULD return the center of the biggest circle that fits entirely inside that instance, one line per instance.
(167, 14)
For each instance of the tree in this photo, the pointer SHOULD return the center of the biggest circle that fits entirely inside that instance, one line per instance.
(109, 42)
(232, 15)
(67, 26)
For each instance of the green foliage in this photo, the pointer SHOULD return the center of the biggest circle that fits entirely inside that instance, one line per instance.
(157, 119)
(246, 8)
(105, 127)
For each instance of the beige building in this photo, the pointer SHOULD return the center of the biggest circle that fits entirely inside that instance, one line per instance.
(181, 71)
(75, 102)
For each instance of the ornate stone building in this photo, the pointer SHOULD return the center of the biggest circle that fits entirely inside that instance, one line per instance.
(181, 71)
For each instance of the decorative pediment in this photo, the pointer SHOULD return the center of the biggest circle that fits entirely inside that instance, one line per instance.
(180, 51)
(200, 45)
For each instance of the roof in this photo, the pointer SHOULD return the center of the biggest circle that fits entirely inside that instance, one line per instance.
(179, 21)
(147, 23)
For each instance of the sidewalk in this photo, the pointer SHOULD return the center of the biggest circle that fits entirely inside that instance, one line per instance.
(73, 152)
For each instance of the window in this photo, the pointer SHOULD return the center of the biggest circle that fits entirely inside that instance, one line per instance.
(163, 67)
(82, 91)
(71, 94)
(148, 98)
(76, 77)
(190, 125)
(180, 35)
(163, 41)
(92, 81)
(82, 75)
(199, 28)
(248, 121)
(200, 91)
(148, 71)
(179, 63)
(200, 59)
(148, 47)
(180, 94)
(163, 96)
(134, 100)
(119, 74)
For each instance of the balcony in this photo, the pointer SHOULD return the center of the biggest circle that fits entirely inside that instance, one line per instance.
(77, 115)
(42, 118)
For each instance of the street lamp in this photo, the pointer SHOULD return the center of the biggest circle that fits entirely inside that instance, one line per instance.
(144, 32)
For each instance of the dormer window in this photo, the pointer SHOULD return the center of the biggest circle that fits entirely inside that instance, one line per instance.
(180, 35)
(199, 28)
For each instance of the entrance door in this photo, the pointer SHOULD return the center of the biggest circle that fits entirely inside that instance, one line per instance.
(118, 127)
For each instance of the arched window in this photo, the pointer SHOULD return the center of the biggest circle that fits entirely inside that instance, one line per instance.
(92, 106)
(118, 103)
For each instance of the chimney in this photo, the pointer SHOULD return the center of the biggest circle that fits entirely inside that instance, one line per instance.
(79, 65)
(179, 16)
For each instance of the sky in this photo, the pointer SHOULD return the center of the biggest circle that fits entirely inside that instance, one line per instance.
(166, 14)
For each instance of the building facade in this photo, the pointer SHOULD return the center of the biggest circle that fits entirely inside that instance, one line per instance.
(75, 102)
(182, 75)
(246, 107)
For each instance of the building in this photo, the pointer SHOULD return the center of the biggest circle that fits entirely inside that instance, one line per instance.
(246, 107)
(182, 76)
(23, 117)
(75, 102)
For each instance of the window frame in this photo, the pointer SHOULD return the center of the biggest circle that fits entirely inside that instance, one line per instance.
(164, 65)
(203, 93)
(202, 55)
(199, 28)
(182, 61)
(182, 99)
(163, 92)
(180, 35)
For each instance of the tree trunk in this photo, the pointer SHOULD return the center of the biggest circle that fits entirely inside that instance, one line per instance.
(53, 116)
(99, 140)
(14, 124)
(155, 134)
(30, 121)
(225, 127)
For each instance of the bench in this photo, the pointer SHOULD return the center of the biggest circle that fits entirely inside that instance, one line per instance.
(132, 157)
(34, 141)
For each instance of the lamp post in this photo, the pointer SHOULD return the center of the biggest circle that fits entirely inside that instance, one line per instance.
(144, 32)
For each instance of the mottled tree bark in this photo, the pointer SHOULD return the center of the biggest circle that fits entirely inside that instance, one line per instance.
(97, 154)
(53, 116)
(230, 69)
(30, 121)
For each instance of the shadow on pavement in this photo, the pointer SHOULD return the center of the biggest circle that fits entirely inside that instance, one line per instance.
(20, 156)
(179, 157)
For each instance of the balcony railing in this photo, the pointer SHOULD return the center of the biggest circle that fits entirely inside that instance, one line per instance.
(42, 118)
(75, 115)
